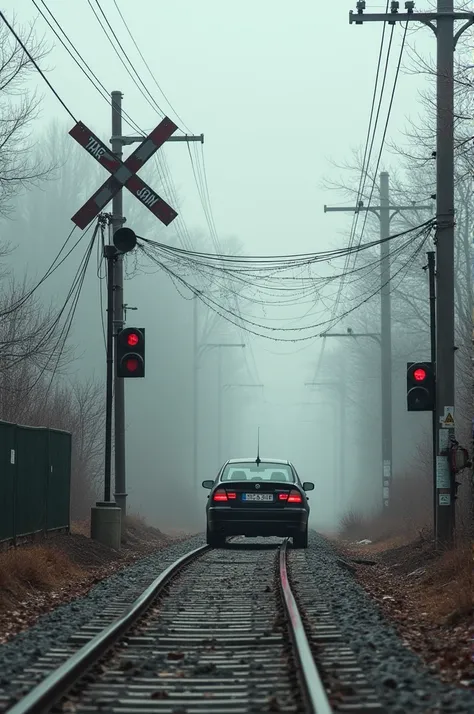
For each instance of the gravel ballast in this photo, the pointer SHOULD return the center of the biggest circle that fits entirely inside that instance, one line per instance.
(56, 627)
(402, 681)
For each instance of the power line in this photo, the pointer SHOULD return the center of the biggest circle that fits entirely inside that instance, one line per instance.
(37, 67)
(229, 317)
(366, 160)
(386, 125)
(148, 98)
(149, 69)
(94, 80)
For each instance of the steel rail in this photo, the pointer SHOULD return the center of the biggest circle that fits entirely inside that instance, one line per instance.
(315, 693)
(48, 692)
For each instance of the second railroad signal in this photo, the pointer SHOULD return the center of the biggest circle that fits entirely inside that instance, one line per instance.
(131, 352)
(421, 387)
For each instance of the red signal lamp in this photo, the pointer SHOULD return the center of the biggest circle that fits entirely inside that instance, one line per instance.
(131, 364)
(419, 374)
(132, 339)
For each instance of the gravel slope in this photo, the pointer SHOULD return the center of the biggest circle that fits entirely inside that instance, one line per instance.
(402, 681)
(57, 626)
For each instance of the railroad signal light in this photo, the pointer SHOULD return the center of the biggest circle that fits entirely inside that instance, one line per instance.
(131, 352)
(421, 387)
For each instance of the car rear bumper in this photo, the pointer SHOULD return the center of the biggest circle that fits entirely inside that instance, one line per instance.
(257, 521)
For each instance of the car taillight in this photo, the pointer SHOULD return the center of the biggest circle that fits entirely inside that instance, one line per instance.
(220, 495)
(295, 497)
(282, 496)
(231, 495)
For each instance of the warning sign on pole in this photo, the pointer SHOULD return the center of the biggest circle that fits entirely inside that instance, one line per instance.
(447, 421)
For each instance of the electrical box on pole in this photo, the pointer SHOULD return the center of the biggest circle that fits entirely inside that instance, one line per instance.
(421, 387)
(131, 352)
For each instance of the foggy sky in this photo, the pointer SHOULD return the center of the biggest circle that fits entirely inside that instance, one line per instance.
(280, 91)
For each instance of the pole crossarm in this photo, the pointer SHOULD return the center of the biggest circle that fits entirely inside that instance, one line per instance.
(426, 18)
(244, 386)
(372, 335)
(126, 140)
(322, 384)
(351, 209)
(357, 209)
(217, 345)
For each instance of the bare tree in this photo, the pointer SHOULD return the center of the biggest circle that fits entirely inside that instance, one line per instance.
(20, 166)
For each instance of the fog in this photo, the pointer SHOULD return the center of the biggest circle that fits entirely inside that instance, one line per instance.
(282, 94)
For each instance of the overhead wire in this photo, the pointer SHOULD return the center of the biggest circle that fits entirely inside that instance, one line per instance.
(423, 230)
(89, 73)
(144, 92)
(37, 67)
(367, 154)
(251, 325)
(387, 120)
(57, 350)
(149, 68)
(51, 269)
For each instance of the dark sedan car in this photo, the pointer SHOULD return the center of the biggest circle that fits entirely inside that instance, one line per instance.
(257, 498)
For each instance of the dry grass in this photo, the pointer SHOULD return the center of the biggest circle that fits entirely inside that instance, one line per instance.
(447, 588)
(32, 568)
(402, 539)
(410, 511)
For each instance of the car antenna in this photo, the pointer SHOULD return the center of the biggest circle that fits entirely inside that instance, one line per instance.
(257, 460)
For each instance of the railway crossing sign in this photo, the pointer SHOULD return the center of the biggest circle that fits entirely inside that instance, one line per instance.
(124, 173)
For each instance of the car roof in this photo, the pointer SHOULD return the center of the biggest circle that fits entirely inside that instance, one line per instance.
(252, 460)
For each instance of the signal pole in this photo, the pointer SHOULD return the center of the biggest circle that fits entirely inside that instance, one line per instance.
(385, 213)
(446, 41)
(118, 141)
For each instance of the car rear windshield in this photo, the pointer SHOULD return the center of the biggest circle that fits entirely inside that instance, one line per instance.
(280, 473)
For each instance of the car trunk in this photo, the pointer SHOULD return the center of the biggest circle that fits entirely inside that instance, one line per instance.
(247, 495)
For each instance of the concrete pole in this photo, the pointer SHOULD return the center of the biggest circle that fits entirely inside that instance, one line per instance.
(219, 407)
(195, 396)
(386, 338)
(434, 425)
(341, 481)
(119, 384)
(384, 212)
(445, 348)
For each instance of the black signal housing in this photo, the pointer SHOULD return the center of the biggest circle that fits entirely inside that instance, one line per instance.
(131, 352)
(421, 387)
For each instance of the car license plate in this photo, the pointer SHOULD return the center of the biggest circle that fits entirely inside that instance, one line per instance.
(258, 497)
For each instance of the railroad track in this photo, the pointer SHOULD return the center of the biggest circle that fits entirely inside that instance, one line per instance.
(233, 630)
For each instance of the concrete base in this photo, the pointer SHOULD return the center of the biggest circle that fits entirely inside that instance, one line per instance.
(106, 524)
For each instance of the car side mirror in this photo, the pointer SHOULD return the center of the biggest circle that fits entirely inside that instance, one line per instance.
(209, 483)
(308, 486)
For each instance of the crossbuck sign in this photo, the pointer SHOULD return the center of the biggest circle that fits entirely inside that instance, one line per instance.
(124, 173)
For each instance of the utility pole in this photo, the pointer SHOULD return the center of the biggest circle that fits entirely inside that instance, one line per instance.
(219, 407)
(219, 346)
(195, 394)
(434, 426)
(243, 386)
(339, 490)
(443, 29)
(118, 321)
(385, 213)
(117, 142)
